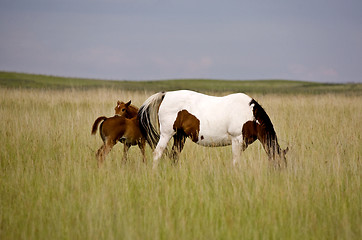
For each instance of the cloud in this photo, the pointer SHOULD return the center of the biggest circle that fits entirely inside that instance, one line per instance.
(158, 39)
(329, 72)
(199, 66)
(321, 73)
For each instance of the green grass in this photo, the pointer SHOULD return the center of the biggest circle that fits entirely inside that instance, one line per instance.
(21, 80)
(51, 188)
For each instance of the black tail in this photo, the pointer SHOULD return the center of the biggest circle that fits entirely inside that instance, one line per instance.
(148, 118)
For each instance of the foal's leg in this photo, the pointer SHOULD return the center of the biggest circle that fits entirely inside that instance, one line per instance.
(125, 151)
(142, 146)
(104, 150)
(161, 146)
(100, 154)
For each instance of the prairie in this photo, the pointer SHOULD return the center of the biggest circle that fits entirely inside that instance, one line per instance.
(51, 188)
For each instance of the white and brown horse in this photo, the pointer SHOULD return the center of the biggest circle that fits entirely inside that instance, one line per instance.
(236, 119)
(123, 127)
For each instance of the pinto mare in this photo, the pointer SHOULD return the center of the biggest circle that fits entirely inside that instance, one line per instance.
(235, 119)
(123, 127)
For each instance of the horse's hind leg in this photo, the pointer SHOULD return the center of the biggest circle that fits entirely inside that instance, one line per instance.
(178, 144)
(160, 148)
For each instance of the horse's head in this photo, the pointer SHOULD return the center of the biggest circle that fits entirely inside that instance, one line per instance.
(283, 154)
(280, 159)
(122, 108)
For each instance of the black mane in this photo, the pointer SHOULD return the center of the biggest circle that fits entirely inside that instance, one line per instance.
(265, 123)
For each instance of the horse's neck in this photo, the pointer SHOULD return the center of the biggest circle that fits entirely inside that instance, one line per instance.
(133, 111)
(131, 115)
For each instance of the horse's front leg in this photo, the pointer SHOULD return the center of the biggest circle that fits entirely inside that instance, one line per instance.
(160, 148)
(236, 147)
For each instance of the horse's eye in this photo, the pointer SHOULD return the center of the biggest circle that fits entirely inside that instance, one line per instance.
(123, 110)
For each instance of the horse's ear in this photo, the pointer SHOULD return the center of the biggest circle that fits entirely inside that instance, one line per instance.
(129, 103)
(118, 102)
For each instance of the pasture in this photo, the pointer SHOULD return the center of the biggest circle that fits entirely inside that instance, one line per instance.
(51, 187)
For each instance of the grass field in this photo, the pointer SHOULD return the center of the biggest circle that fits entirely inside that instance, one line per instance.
(51, 188)
(31, 81)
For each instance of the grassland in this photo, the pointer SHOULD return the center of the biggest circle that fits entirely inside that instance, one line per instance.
(51, 188)
(30, 81)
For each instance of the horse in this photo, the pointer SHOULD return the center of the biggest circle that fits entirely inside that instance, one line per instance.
(235, 119)
(123, 127)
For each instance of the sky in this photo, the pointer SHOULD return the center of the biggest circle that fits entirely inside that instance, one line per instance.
(310, 40)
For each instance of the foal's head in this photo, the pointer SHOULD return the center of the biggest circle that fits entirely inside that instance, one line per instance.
(126, 109)
(122, 109)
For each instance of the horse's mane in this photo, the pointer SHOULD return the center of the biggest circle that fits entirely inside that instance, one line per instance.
(262, 118)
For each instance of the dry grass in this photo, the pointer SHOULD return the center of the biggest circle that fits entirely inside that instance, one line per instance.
(51, 188)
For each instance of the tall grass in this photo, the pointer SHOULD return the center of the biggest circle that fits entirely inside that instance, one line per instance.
(51, 187)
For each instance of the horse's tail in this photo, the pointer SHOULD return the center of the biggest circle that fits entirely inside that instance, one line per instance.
(95, 124)
(148, 118)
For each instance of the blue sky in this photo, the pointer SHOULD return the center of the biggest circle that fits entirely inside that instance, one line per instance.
(313, 40)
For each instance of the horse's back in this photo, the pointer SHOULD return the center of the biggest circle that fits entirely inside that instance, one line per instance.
(219, 117)
(206, 105)
(113, 124)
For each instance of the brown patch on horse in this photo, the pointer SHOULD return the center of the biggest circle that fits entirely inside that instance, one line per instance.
(185, 125)
(188, 124)
(250, 133)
